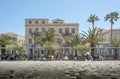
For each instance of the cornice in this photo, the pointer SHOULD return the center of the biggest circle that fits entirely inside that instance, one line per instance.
(66, 24)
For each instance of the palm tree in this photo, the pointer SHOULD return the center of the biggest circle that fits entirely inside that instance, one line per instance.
(50, 48)
(92, 36)
(113, 16)
(92, 19)
(19, 50)
(115, 44)
(75, 41)
(48, 37)
(4, 40)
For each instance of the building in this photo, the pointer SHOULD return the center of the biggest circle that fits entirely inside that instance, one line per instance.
(66, 30)
(106, 34)
(104, 46)
(19, 38)
(39, 25)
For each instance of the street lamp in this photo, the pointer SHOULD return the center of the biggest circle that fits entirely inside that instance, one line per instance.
(33, 45)
(0, 50)
(33, 35)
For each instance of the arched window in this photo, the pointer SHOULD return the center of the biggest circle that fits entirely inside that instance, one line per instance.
(36, 22)
(30, 22)
(43, 22)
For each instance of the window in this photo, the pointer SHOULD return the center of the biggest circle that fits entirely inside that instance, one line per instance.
(36, 29)
(60, 30)
(66, 31)
(43, 22)
(36, 22)
(52, 29)
(30, 30)
(43, 29)
(73, 30)
(30, 22)
(30, 41)
(55, 22)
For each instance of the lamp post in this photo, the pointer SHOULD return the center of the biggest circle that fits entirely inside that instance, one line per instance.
(34, 34)
(0, 50)
(33, 45)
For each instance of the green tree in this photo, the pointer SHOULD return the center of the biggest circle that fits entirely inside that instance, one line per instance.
(5, 40)
(112, 17)
(81, 47)
(75, 41)
(115, 44)
(20, 50)
(19, 47)
(92, 19)
(48, 46)
(92, 36)
(9, 48)
(48, 38)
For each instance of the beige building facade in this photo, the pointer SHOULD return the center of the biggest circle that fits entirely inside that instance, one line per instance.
(104, 46)
(39, 25)
(65, 30)
(106, 34)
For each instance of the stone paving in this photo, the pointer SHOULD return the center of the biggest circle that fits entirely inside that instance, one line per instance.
(59, 69)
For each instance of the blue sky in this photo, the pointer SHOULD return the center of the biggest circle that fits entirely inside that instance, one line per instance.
(14, 12)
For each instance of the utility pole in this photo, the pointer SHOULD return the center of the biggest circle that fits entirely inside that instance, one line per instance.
(33, 45)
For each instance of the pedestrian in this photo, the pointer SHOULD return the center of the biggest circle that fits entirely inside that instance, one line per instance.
(100, 58)
(91, 58)
(87, 55)
(62, 57)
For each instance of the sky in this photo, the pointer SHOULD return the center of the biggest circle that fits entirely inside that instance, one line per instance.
(14, 12)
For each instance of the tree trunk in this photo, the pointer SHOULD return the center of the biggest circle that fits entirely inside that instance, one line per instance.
(3, 49)
(3, 52)
(75, 53)
(111, 32)
(92, 50)
(93, 24)
(48, 55)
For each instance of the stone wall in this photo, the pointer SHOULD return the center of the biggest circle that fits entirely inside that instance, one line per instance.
(59, 69)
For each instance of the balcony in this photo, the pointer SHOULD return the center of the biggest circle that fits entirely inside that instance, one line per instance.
(67, 34)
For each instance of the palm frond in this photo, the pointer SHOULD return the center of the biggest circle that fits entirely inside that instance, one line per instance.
(92, 35)
(113, 16)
